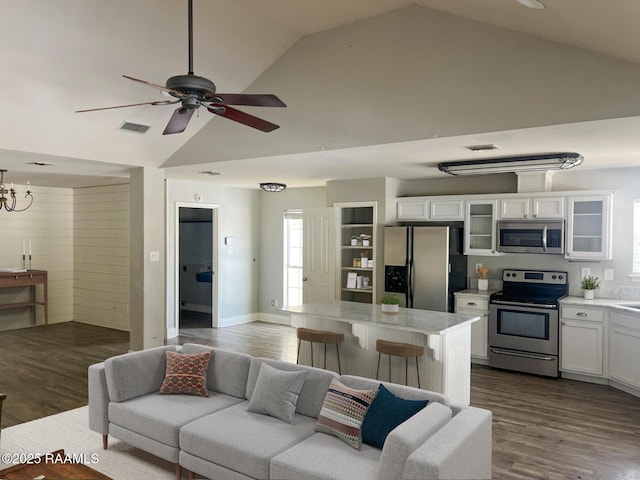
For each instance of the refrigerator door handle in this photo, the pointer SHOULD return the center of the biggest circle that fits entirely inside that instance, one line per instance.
(410, 285)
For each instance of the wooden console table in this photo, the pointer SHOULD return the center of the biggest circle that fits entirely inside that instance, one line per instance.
(24, 279)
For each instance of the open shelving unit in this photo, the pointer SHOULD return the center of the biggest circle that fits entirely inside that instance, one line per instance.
(357, 224)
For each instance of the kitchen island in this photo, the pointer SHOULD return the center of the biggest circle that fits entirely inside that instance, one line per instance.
(445, 367)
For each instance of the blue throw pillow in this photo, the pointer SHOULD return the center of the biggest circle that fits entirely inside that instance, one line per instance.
(385, 413)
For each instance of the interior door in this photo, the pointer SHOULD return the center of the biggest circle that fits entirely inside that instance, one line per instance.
(319, 256)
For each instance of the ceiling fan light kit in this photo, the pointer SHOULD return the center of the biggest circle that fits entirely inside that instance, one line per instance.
(524, 163)
(10, 203)
(272, 187)
(192, 92)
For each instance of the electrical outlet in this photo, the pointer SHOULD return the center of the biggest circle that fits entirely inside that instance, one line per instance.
(273, 303)
(608, 274)
(584, 272)
(478, 266)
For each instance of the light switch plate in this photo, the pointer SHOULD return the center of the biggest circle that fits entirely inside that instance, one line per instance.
(584, 272)
(154, 256)
(608, 273)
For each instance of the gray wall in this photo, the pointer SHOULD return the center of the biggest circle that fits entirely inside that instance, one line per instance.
(272, 208)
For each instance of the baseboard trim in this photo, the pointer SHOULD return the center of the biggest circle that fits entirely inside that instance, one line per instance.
(255, 317)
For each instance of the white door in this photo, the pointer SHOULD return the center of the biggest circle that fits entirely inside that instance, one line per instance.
(319, 263)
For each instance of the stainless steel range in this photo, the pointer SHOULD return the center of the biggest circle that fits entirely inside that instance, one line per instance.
(524, 321)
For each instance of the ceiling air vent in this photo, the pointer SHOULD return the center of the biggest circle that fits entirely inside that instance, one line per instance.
(134, 127)
(482, 148)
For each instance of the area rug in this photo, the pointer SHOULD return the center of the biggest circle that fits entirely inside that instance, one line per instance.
(70, 431)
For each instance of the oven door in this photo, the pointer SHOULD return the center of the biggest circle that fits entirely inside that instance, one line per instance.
(523, 328)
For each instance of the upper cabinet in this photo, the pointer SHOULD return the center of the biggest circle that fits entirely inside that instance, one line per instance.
(532, 207)
(589, 228)
(433, 209)
(480, 227)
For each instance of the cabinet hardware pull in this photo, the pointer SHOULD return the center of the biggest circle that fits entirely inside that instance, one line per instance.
(473, 304)
(582, 314)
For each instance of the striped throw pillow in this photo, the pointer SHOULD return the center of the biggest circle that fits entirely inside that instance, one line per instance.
(343, 411)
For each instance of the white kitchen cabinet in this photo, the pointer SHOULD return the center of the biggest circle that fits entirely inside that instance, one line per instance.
(532, 208)
(480, 227)
(446, 210)
(589, 225)
(582, 340)
(429, 209)
(624, 348)
(476, 304)
(413, 208)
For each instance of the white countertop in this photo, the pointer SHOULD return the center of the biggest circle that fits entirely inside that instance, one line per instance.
(411, 319)
(631, 306)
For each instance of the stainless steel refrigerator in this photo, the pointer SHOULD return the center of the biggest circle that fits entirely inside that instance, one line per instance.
(425, 265)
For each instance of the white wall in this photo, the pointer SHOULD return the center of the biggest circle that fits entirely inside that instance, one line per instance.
(272, 208)
(237, 271)
(49, 225)
(101, 230)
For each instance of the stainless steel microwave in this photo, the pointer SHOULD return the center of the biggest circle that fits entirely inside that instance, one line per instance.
(531, 236)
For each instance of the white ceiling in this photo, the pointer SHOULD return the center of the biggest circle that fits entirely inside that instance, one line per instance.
(61, 56)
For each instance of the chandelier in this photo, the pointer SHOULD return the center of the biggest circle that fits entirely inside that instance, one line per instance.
(9, 202)
(272, 186)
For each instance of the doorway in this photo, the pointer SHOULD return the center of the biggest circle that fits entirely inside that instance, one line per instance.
(196, 267)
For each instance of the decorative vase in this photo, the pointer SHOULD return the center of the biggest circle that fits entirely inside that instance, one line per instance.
(389, 308)
(589, 294)
(483, 283)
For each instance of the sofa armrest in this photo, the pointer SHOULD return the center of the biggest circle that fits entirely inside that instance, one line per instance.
(408, 436)
(459, 450)
(98, 399)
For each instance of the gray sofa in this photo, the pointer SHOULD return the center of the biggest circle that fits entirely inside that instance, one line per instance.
(217, 437)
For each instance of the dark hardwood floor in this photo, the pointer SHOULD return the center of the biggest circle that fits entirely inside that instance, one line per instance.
(542, 428)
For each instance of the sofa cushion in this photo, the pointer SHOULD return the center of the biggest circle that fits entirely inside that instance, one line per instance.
(313, 391)
(276, 393)
(385, 413)
(243, 441)
(160, 416)
(409, 393)
(343, 411)
(408, 436)
(322, 457)
(228, 370)
(186, 373)
(134, 374)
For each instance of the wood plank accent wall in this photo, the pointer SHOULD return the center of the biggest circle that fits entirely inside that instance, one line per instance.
(101, 233)
(49, 225)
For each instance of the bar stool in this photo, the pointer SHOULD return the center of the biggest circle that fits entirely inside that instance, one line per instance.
(319, 336)
(397, 349)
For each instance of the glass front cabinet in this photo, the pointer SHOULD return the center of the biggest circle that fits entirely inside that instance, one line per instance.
(589, 228)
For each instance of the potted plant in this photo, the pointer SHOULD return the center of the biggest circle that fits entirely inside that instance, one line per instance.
(390, 304)
(483, 277)
(589, 285)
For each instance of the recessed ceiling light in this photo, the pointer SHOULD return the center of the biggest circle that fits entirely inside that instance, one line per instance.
(532, 4)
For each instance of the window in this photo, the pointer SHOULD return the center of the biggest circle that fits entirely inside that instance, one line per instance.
(636, 236)
(293, 257)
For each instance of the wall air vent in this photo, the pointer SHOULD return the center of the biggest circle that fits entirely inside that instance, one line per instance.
(134, 127)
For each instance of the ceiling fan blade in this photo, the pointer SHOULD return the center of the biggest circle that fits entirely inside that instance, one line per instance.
(244, 118)
(249, 99)
(179, 120)
(161, 102)
(159, 87)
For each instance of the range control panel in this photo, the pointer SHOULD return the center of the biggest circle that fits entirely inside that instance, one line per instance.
(535, 276)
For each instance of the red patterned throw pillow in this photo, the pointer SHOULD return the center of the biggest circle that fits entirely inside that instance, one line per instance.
(186, 373)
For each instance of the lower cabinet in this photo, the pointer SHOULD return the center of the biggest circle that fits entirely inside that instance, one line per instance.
(624, 348)
(476, 304)
(582, 340)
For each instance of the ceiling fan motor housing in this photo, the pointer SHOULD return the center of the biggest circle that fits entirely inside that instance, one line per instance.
(192, 85)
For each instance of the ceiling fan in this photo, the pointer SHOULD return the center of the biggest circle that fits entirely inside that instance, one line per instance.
(193, 92)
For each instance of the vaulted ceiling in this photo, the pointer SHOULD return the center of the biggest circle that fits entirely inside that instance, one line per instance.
(373, 87)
